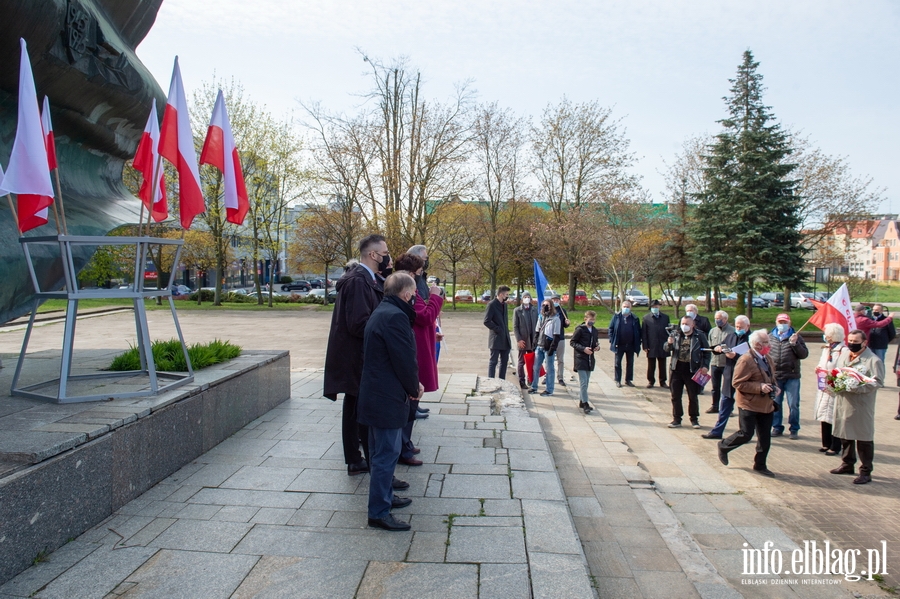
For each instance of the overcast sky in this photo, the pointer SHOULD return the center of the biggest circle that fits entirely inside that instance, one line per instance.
(831, 67)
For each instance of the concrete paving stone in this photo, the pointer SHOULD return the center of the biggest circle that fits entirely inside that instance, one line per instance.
(249, 498)
(524, 424)
(668, 484)
(730, 502)
(244, 447)
(356, 520)
(428, 546)
(549, 527)
(186, 574)
(522, 440)
(260, 478)
(211, 475)
(235, 513)
(530, 459)
(165, 509)
(705, 523)
(476, 485)
(116, 530)
(492, 469)
(488, 521)
(719, 541)
(36, 577)
(502, 581)
(665, 585)
(310, 518)
(745, 518)
(197, 511)
(487, 544)
(97, 574)
(292, 541)
(325, 481)
(554, 575)
(537, 485)
(182, 494)
(146, 535)
(442, 506)
(638, 537)
(413, 581)
(228, 458)
(617, 588)
(712, 485)
(303, 463)
(688, 503)
(202, 535)
(428, 523)
(160, 492)
(300, 449)
(278, 577)
(651, 558)
(757, 536)
(336, 501)
(502, 507)
(273, 515)
(594, 529)
(465, 455)
(717, 591)
(658, 468)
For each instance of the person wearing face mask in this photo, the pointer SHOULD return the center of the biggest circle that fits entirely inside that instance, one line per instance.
(686, 348)
(359, 293)
(854, 410)
(625, 342)
(424, 291)
(788, 348)
(754, 384)
(549, 334)
(726, 402)
(653, 337)
(823, 409)
(882, 333)
(389, 381)
(585, 342)
(700, 322)
(497, 321)
(560, 352)
(717, 336)
(525, 318)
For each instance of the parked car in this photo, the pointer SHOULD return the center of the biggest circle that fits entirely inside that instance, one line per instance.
(671, 296)
(822, 296)
(604, 295)
(320, 294)
(580, 296)
(463, 295)
(800, 300)
(297, 286)
(758, 302)
(178, 290)
(486, 296)
(637, 297)
(773, 299)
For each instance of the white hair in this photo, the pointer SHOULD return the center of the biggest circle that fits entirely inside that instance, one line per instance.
(418, 250)
(720, 313)
(742, 319)
(834, 331)
(759, 338)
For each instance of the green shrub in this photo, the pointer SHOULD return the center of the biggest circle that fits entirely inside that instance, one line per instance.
(206, 295)
(168, 357)
(286, 279)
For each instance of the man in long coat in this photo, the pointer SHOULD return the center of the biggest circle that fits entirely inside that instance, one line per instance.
(497, 320)
(854, 410)
(525, 319)
(653, 337)
(359, 293)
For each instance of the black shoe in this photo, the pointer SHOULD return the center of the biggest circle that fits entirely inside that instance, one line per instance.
(843, 469)
(523, 385)
(829, 452)
(561, 382)
(710, 436)
(629, 383)
(695, 424)
(862, 479)
(410, 461)
(897, 417)
(675, 424)
(723, 455)
(423, 410)
(664, 385)
(399, 485)
(587, 408)
(777, 433)
(388, 523)
(360, 467)
(618, 384)
(712, 410)
(650, 385)
(421, 415)
(824, 449)
(399, 502)
(546, 393)
(764, 472)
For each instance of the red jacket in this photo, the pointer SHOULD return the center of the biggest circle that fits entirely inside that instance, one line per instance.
(423, 329)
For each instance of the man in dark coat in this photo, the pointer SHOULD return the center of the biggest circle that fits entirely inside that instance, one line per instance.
(687, 347)
(880, 338)
(625, 341)
(359, 293)
(497, 320)
(700, 322)
(390, 378)
(653, 337)
(525, 319)
(585, 341)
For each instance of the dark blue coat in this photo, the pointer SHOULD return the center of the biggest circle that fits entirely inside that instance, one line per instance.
(390, 373)
(615, 326)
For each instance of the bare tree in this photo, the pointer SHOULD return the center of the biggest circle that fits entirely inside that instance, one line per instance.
(452, 244)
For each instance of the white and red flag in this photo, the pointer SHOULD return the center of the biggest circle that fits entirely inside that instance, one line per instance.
(219, 150)
(176, 144)
(836, 309)
(28, 172)
(49, 141)
(146, 160)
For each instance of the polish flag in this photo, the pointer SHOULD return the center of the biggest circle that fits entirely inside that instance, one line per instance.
(49, 141)
(219, 150)
(176, 144)
(837, 309)
(28, 172)
(146, 160)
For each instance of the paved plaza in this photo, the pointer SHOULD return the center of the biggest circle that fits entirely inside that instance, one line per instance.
(541, 501)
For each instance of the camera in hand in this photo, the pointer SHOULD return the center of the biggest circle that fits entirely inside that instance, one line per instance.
(671, 329)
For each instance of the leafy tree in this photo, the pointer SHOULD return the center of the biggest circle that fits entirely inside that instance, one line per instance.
(747, 226)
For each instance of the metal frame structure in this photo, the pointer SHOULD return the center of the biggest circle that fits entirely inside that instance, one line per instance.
(72, 295)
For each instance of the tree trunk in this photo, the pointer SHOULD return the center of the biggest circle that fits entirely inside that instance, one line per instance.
(573, 281)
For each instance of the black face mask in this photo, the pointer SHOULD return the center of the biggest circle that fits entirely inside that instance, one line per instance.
(386, 272)
(412, 300)
(425, 266)
(855, 347)
(876, 314)
(383, 265)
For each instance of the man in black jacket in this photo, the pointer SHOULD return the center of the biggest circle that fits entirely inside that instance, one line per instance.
(880, 338)
(585, 341)
(390, 378)
(359, 293)
(686, 347)
(625, 341)
(653, 337)
(497, 320)
(525, 319)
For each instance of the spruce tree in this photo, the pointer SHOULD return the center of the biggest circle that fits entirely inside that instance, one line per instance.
(747, 228)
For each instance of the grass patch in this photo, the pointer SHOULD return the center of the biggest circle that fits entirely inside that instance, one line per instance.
(169, 358)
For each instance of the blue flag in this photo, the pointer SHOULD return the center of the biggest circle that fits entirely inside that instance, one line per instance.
(540, 282)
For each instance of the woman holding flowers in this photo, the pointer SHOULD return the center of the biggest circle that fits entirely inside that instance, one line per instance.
(854, 408)
(824, 406)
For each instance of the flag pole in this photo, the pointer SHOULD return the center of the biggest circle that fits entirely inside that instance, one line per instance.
(12, 207)
(806, 323)
(157, 170)
(62, 207)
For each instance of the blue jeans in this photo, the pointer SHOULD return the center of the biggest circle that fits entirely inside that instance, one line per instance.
(584, 377)
(540, 357)
(384, 449)
(726, 405)
(791, 388)
(881, 353)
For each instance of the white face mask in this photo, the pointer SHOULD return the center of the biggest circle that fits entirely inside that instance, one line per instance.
(526, 301)
(685, 328)
(692, 314)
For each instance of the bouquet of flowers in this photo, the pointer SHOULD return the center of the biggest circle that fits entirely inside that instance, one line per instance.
(839, 380)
